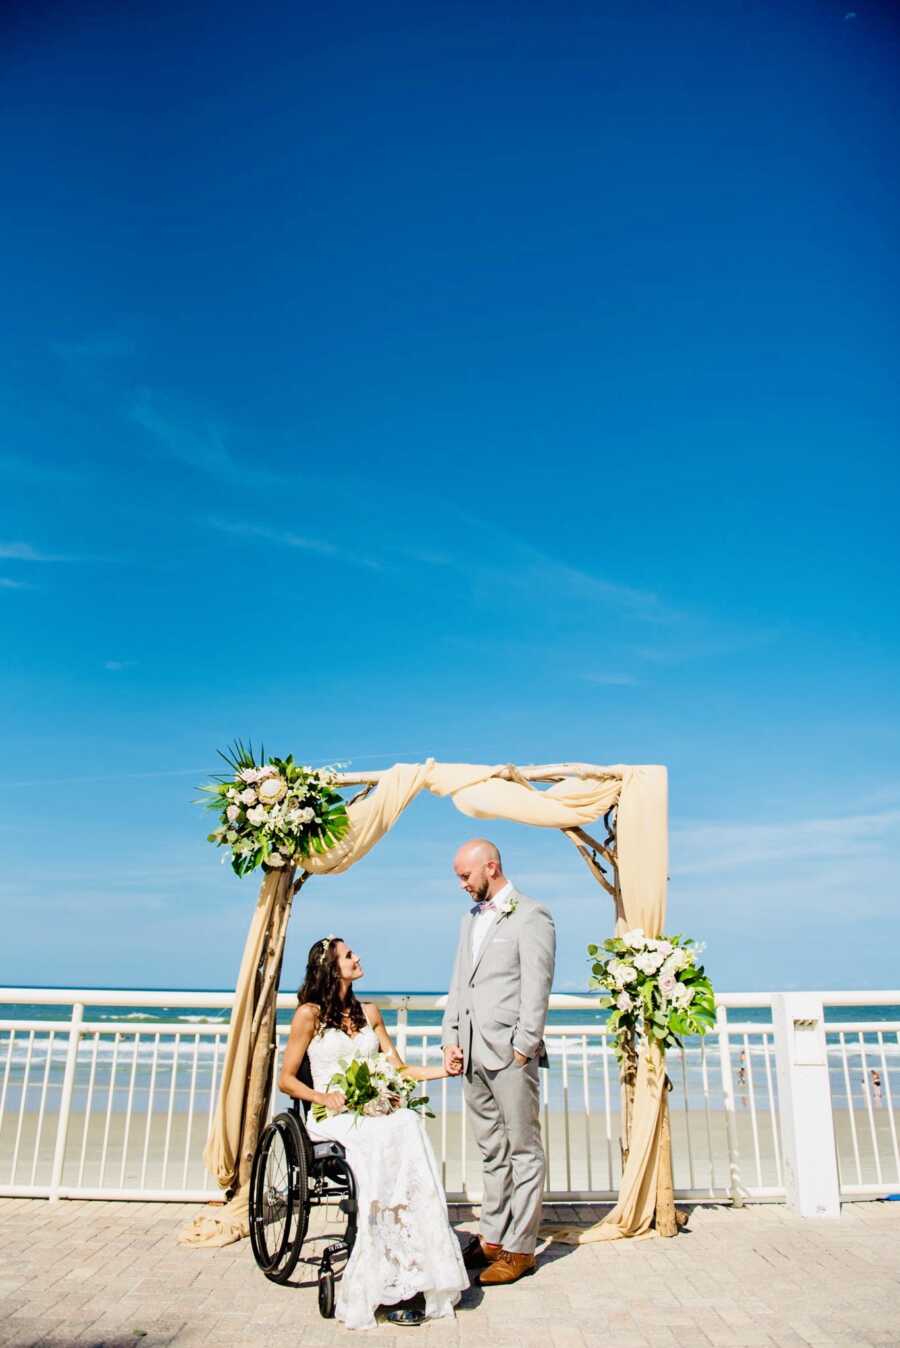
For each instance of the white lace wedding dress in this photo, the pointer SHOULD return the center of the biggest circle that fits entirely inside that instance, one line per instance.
(405, 1244)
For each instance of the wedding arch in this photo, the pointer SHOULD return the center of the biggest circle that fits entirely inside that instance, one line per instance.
(630, 863)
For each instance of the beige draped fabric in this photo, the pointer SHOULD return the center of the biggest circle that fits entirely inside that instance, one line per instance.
(643, 858)
(481, 792)
(476, 790)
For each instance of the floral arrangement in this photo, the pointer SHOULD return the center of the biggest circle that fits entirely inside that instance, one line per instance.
(372, 1086)
(653, 986)
(273, 811)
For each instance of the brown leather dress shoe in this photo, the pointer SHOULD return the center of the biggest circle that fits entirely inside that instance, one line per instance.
(480, 1253)
(508, 1268)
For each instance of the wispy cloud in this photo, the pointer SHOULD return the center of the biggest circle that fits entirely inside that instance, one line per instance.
(198, 441)
(534, 569)
(699, 849)
(580, 584)
(305, 542)
(127, 776)
(117, 666)
(24, 552)
(7, 584)
(679, 647)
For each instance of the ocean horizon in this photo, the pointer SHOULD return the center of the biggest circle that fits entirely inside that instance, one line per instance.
(149, 1015)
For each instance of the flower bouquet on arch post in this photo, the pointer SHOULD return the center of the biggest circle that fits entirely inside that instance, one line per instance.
(657, 992)
(653, 986)
(273, 811)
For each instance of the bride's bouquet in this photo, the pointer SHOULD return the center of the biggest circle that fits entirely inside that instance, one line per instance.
(370, 1087)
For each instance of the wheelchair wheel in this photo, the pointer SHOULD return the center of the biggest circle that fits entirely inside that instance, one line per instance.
(326, 1293)
(279, 1198)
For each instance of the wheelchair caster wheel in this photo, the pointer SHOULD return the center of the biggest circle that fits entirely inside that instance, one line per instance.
(326, 1293)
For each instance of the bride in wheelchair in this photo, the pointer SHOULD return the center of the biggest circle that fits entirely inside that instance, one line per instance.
(404, 1250)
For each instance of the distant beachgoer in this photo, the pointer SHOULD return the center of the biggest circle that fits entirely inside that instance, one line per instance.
(876, 1085)
(742, 1077)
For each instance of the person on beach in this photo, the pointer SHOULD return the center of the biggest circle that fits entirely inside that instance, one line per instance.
(406, 1255)
(493, 1030)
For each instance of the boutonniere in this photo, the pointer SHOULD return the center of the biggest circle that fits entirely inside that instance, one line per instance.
(508, 906)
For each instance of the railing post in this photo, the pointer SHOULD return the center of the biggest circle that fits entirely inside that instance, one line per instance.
(804, 1105)
(65, 1100)
(734, 1167)
(402, 1022)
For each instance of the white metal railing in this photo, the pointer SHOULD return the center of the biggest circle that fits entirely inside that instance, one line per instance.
(104, 1104)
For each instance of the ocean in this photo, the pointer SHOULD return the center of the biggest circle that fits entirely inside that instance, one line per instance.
(154, 1016)
(171, 1031)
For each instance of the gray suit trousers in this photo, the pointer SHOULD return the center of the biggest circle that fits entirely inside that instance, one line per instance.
(504, 1108)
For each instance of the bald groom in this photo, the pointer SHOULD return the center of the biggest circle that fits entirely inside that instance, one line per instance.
(493, 1030)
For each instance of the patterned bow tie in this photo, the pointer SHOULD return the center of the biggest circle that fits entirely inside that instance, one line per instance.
(488, 906)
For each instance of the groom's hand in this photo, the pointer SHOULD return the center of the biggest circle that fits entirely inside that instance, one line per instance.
(520, 1058)
(453, 1060)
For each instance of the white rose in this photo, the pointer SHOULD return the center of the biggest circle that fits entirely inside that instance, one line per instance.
(682, 995)
(624, 1002)
(667, 983)
(635, 938)
(275, 859)
(268, 771)
(257, 815)
(231, 793)
(648, 961)
(677, 960)
(621, 973)
(232, 812)
(248, 775)
(664, 947)
(248, 796)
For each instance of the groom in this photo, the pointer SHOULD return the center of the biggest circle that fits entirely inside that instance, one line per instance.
(493, 1030)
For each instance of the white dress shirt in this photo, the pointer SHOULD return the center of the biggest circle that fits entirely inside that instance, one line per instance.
(483, 915)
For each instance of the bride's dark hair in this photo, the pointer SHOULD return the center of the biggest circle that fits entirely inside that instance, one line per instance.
(322, 987)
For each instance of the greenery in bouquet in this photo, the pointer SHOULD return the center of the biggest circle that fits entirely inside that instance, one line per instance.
(371, 1087)
(655, 987)
(273, 811)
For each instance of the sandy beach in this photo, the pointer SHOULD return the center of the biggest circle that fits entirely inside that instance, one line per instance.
(583, 1157)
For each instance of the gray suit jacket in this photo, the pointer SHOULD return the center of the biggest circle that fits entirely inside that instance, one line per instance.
(499, 1002)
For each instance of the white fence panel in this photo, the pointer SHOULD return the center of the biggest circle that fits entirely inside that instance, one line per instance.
(121, 1107)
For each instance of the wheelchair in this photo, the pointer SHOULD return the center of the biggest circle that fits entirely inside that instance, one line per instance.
(291, 1175)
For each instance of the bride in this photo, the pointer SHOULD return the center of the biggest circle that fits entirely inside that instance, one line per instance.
(405, 1248)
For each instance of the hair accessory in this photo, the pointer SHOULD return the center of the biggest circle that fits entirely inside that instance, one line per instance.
(325, 943)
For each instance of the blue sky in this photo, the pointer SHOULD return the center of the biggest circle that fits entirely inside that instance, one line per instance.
(500, 383)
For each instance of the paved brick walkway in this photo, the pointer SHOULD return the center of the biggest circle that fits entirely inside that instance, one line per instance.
(110, 1274)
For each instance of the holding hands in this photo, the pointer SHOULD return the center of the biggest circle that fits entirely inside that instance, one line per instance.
(453, 1060)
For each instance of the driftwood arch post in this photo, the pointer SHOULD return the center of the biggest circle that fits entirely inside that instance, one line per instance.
(630, 863)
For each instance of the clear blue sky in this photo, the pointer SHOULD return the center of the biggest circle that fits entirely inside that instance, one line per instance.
(498, 382)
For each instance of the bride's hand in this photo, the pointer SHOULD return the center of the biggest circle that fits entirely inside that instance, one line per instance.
(333, 1101)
